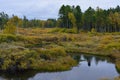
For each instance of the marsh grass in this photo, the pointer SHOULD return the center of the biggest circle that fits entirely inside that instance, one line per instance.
(48, 48)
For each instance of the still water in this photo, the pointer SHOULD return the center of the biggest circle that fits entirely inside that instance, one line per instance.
(89, 68)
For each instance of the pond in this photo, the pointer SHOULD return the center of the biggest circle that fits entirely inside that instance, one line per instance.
(89, 68)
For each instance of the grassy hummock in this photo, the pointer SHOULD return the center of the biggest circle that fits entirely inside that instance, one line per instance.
(48, 49)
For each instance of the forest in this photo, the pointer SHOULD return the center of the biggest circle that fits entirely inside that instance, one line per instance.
(71, 17)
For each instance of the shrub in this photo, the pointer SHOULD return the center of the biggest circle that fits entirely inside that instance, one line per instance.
(93, 31)
(106, 39)
(55, 30)
(70, 31)
(52, 53)
(7, 38)
(9, 28)
(62, 30)
(113, 46)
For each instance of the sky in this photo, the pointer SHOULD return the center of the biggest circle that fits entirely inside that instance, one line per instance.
(44, 9)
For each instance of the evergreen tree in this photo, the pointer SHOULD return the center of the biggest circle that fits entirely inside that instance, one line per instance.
(78, 15)
(89, 19)
(3, 19)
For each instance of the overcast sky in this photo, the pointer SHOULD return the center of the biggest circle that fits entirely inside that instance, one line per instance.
(44, 9)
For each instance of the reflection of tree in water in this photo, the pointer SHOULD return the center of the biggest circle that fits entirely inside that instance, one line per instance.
(18, 75)
(118, 70)
(98, 59)
(111, 60)
(88, 58)
(77, 57)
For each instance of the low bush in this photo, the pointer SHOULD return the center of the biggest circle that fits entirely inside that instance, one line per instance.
(52, 59)
(106, 39)
(7, 38)
(55, 30)
(113, 46)
(52, 53)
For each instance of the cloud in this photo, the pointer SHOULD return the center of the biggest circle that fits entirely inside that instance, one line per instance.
(44, 9)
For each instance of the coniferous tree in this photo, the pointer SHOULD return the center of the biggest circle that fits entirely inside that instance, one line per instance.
(3, 19)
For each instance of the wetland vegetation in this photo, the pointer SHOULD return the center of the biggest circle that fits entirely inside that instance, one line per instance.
(47, 45)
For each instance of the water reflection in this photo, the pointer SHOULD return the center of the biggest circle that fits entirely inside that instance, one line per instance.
(94, 59)
(24, 75)
(89, 68)
(88, 58)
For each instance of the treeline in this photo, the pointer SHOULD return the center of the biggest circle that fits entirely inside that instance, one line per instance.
(25, 23)
(98, 19)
